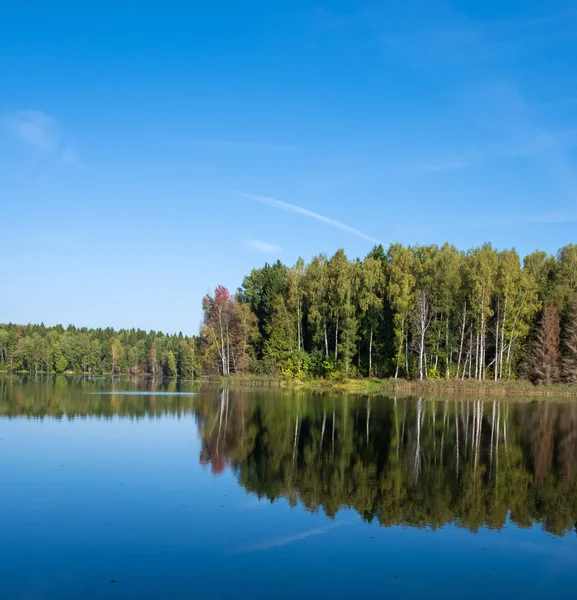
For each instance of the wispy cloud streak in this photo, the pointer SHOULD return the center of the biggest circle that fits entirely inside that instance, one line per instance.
(70, 158)
(299, 210)
(226, 144)
(447, 166)
(263, 246)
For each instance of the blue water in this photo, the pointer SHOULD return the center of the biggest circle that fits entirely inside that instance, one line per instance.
(132, 506)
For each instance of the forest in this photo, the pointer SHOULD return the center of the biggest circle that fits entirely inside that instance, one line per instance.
(414, 312)
(38, 349)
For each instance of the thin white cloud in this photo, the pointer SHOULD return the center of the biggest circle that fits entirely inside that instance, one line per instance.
(447, 166)
(547, 140)
(34, 128)
(43, 133)
(227, 144)
(263, 246)
(70, 158)
(308, 213)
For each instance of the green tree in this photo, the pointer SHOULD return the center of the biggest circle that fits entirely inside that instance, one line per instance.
(371, 296)
(171, 364)
(401, 293)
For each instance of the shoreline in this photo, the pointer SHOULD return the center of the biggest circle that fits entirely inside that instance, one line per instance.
(511, 388)
(382, 386)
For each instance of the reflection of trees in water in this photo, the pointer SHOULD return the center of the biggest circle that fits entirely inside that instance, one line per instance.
(61, 396)
(405, 461)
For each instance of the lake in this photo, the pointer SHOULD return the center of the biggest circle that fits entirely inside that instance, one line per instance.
(132, 489)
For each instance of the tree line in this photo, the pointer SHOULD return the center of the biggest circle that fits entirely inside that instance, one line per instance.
(413, 312)
(39, 349)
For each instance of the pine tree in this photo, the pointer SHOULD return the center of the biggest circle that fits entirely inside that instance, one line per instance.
(544, 358)
(569, 362)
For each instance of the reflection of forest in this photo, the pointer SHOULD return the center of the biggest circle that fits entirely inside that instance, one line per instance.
(60, 396)
(404, 461)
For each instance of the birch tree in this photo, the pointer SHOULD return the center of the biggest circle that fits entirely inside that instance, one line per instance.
(401, 292)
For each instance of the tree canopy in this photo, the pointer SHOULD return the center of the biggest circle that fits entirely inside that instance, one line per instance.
(415, 312)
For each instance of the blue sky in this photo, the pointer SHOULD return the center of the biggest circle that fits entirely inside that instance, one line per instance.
(150, 150)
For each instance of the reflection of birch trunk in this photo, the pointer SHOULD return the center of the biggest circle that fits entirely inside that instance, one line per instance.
(478, 433)
(368, 418)
(242, 425)
(417, 460)
(333, 435)
(474, 427)
(226, 395)
(397, 427)
(214, 422)
(434, 430)
(404, 419)
(492, 437)
(296, 438)
(497, 445)
(323, 429)
(220, 420)
(445, 409)
(457, 434)
(505, 419)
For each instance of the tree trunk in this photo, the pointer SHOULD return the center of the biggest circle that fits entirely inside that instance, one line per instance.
(503, 338)
(421, 353)
(371, 352)
(336, 340)
(449, 355)
(477, 357)
(407, 355)
(299, 326)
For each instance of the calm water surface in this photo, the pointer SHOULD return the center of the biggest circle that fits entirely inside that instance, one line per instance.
(260, 494)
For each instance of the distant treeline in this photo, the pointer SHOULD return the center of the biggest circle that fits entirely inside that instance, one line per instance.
(416, 312)
(39, 349)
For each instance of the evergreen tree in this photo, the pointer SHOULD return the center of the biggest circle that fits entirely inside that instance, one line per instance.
(544, 358)
(569, 362)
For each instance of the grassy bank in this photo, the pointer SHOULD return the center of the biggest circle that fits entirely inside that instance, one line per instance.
(388, 386)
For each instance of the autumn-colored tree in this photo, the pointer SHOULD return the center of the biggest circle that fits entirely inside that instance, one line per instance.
(217, 314)
(544, 357)
(230, 330)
